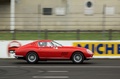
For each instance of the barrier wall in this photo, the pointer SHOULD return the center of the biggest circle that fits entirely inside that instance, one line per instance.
(101, 49)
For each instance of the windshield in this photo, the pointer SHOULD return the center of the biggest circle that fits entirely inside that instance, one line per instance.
(56, 44)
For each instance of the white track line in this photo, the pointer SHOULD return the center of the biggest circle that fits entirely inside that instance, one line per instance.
(51, 77)
(70, 66)
(60, 66)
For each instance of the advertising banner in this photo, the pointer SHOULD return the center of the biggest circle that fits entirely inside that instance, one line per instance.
(101, 48)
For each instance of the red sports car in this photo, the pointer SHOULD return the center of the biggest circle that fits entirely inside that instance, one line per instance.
(51, 50)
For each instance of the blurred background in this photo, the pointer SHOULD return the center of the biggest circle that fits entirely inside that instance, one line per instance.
(60, 19)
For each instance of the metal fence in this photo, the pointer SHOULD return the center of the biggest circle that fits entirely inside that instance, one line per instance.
(75, 17)
(75, 24)
(60, 34)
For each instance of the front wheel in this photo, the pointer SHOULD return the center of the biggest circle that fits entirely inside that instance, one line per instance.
(32, 57)
(77, 58)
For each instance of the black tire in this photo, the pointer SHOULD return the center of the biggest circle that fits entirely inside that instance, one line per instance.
(32, 58)
(77, 58)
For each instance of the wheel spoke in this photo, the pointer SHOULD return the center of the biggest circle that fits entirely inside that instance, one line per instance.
(32, 57)
(78, 58)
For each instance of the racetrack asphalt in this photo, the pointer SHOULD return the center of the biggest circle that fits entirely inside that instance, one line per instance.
(91, 69)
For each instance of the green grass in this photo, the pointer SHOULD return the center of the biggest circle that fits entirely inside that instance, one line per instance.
(58, 36)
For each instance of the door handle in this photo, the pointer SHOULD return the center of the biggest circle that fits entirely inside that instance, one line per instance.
(55, 47)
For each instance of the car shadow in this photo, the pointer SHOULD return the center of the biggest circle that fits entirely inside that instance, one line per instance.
(46, 63)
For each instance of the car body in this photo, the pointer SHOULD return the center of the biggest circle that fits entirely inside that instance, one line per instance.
(12, 49)
(12, 46)
(51, 50)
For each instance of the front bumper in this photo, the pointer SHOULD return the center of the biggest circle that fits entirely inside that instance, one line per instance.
(88, 58)
(19, 57)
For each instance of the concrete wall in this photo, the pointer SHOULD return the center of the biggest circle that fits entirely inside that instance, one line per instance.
(29, 15)
(4, 14)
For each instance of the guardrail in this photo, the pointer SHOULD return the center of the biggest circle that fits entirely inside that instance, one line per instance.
(60, 34)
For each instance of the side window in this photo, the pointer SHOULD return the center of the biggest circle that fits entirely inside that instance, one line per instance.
(42, 44)
(49, 44)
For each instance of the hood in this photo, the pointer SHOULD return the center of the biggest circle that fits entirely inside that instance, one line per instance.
(74, 47)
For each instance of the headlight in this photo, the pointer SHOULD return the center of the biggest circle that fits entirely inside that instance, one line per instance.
(89, 51)
(12, 51)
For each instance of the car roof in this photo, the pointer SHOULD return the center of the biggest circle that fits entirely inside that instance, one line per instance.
(44, 40)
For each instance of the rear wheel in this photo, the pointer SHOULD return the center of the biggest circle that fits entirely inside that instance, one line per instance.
(77, 57)
(32, 57)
